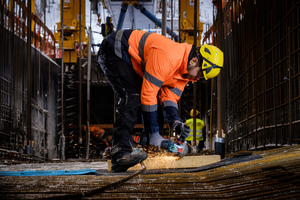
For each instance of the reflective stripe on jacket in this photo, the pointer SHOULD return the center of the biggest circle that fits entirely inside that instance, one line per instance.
(199, 129)
(158, 60)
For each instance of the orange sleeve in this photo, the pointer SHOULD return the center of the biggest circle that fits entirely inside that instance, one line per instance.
(173, 93)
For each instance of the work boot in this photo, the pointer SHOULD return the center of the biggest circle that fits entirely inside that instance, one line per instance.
(128, 160)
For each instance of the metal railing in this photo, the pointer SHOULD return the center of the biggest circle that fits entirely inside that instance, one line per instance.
(15, 18)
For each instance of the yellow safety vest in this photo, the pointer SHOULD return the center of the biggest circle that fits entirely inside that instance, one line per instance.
(199, 129)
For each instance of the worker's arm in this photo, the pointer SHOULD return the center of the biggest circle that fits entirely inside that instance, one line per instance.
(103, 32)
(169, 96)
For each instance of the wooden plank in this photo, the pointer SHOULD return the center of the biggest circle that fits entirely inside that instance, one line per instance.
(111, 125)
(172, 162)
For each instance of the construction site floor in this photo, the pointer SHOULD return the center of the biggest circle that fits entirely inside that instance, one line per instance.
(270, 174)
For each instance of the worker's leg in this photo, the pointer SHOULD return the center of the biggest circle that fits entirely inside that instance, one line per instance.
(156, 137)
(190, 144)
(126, 84)
(200, 146)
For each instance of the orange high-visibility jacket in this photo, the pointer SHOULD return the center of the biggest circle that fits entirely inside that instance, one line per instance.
(160, 61)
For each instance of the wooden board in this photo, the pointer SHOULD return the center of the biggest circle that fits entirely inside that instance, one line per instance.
(170, 162)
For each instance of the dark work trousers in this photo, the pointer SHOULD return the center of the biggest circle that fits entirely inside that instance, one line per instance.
(127, 86)
(200, 145)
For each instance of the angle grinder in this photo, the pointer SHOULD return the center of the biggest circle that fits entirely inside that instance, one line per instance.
(179, 147)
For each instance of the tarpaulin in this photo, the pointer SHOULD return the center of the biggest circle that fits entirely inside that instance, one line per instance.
(49, 172)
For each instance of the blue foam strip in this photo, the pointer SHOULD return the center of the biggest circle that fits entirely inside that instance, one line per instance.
(49, 172)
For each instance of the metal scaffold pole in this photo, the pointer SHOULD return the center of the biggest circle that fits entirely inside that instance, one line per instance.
(80, 84)
(88, 96)
(195, 85)
(62, 136)
(220, 142)
(163, 27)
(28, 148)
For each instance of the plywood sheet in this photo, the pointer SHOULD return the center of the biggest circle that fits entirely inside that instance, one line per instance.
(170, 162)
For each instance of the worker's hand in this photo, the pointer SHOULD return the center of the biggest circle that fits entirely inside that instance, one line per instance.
(181, 129)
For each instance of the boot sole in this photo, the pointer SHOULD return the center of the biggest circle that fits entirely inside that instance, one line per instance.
(124, 168)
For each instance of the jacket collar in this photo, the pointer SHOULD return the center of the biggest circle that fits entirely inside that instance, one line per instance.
(186, 58)
(189, 49)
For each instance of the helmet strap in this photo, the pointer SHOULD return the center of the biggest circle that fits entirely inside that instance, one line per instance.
(213, 66)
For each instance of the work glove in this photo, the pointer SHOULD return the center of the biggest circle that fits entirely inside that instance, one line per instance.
(181, 129)
(156, 139)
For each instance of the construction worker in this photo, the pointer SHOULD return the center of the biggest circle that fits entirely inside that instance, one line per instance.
(146, 69)
(107, 28)
(200, 130)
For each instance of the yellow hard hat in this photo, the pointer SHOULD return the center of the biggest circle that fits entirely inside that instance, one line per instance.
(192, 112)
(213, 59)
